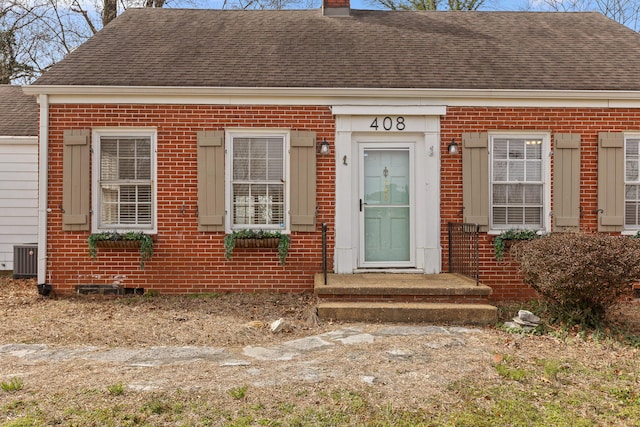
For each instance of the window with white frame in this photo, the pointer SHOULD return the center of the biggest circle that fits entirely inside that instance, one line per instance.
(124, 191)
(258, 190)
(632, 183)
(518, 186)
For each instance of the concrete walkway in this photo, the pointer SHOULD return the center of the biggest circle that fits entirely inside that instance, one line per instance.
(288, 350)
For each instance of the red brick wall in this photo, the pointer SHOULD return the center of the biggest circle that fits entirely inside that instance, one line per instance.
(186, 260)
(503, 276)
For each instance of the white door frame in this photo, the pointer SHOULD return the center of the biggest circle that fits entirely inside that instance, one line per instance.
(371, 143)
(422, 125)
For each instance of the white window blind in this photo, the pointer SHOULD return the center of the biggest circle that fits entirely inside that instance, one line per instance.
(258, 182)
(632, 183)
(517, 186)
(125, 183)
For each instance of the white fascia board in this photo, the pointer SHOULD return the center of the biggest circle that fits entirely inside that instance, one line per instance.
(409, 110)
(27, 140)
(335, 96)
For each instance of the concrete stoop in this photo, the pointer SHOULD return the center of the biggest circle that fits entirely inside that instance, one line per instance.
(467, 314)
(395, 297)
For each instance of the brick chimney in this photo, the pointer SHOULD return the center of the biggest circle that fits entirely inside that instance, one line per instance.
(335, 7)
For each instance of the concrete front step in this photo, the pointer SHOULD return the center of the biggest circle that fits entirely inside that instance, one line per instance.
(477, 314)
(383, 287)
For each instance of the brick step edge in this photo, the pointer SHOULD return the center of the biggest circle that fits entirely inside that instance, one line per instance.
(474, 314)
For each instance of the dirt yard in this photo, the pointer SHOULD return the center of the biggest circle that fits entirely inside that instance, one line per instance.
(215, 354)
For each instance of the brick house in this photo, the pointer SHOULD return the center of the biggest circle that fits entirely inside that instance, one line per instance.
(189, 124)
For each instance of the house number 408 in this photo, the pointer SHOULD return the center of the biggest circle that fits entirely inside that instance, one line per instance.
(388, 123)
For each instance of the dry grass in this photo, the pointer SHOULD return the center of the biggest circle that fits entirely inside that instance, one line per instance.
(488, 378)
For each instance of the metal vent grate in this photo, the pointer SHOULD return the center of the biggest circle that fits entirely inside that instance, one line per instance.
(25, 261)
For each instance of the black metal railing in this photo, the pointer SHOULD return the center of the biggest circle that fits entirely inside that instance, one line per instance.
(463, 249)
(324, 251)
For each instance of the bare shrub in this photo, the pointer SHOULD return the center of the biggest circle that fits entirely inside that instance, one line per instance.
(581, 275)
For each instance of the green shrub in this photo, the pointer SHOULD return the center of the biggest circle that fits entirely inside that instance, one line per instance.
(581, 275)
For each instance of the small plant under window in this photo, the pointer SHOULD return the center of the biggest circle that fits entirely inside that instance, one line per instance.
(282, 240)
(135, 237)
(513, 234)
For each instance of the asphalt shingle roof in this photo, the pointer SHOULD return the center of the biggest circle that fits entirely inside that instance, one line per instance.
(18, 112)
(370, 49)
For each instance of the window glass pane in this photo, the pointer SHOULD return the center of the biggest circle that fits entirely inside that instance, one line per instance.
(631, 159)
(143, 148)
(533, 194)
(631, 170)
(631, 213)
(258, 148)
(144, 194)
(516, 149)
(631, 192)
(515, 194)
(499, 194)
(533, 217)
(126, 148)
(143, 168)
(534, 170)
(241, 169)
(500, 215)
(632, 205)
(516, 171)
(500, 148)
(500, 171)
(108, 159)
(127, 168)
(515, 215)
(258, 169)
(109, 211)
(534, 148)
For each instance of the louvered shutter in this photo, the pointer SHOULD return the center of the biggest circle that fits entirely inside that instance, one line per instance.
(211, 180)
(611, 181)
(76, 180)
(475, 178)
(303, 180)
(566, 181)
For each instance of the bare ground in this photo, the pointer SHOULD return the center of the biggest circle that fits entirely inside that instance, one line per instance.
(397, 370)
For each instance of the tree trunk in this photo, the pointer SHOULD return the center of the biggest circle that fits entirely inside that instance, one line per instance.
(109, 12)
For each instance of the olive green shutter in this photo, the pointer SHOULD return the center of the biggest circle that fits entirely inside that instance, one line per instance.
(210, 180)
(610, 181)
(303, 180)
(76, 181)
(475, 179)
(566, 181)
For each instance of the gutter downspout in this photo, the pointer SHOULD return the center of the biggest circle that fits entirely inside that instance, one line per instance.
(43, 187)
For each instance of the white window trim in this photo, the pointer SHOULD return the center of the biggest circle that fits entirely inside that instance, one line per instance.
(123, 132)
(627, 230)
(230, 134)
(546, 176)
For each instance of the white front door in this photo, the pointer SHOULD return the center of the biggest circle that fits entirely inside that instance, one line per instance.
(386, 205)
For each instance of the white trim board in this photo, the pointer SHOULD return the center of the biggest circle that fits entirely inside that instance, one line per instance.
(335, 96)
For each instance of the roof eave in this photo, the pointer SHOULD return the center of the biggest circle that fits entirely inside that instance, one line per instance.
(330, 96)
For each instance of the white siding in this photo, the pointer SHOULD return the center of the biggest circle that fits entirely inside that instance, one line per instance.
(18, 195)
